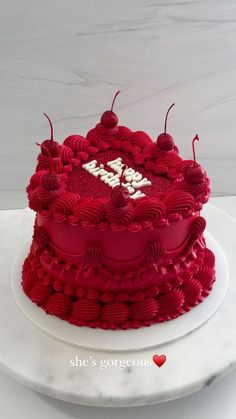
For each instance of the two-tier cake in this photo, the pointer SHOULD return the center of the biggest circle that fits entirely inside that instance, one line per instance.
(118, 236)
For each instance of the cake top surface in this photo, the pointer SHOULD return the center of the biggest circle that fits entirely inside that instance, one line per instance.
(116, 178)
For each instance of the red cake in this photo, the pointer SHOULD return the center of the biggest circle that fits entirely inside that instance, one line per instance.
(118, 237)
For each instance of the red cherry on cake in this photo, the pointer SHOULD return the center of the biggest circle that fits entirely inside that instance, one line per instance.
(120, 196)
(193, 173)
(52, 146)
(109, 119)
(164, 141)
(51, 181)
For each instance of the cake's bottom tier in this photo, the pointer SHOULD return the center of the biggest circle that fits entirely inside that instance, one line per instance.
(119, 309)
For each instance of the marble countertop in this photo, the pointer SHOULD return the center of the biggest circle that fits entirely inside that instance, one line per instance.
(67, 58)
(214, 400)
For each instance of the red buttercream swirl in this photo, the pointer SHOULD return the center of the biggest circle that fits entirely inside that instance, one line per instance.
(197, 227)
(58, 304)
(46, 196)
(205, 276)
(140, 139)
(93, 255)
(155, 250)
(41, 236)
(36, 178)
(77, 143)
(156, 152)
(48, 163)
(65, 203)
(192, 290)
(123, 133)
(177, 201)
(40, 293)
(90, 210)
(158, 169)
(171, 302)
(116, 312)
(66, 154)
(150, 209)
(28, 280)
(119, 215)
(86, 309)
(198, 190)
(34, 202)
(209, 258)
(171, 160)
(101, 137)
(144, 310)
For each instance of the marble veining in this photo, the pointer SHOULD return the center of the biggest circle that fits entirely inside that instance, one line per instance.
(69, 61)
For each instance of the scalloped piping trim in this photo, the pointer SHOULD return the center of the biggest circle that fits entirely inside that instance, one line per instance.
(143, 308)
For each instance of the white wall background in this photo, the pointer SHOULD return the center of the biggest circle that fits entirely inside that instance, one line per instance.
(68, 57)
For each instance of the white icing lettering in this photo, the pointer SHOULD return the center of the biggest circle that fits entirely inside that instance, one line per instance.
(134, 180)
(105, 178)
(90, 165)
(141, 183)
(138, 194)
(129, 187)
(128, 173)
(136, 177)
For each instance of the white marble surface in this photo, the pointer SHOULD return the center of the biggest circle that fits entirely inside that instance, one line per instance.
(43, 363)
(67, 58)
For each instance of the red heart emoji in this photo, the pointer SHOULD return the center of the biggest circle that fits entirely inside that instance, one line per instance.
(159, 360)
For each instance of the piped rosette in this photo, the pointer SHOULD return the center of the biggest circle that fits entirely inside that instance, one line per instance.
(44, 188)
(197, 228)
(195, 181)
(48, 162)
(179, 204)
(119, 210)
(155, 252)
(150, 210)
(80, 147)
(121, 140)
(89, 212)
(63, 206)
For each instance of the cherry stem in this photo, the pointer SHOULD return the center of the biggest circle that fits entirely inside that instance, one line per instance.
(196, 138)
(48, 153)
(167, 113)
(51, 127)
(117, 93)
(122, 174)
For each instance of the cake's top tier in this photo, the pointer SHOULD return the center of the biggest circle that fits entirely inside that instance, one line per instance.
(116, 178)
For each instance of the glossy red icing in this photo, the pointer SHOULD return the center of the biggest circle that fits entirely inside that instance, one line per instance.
(101, 258)
(120, 249)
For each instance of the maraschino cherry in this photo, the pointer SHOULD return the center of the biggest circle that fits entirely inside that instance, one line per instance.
(51, 145)
(109, 119)
(193, 173)
(50, 180)
(120, 194)
(164, 141)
